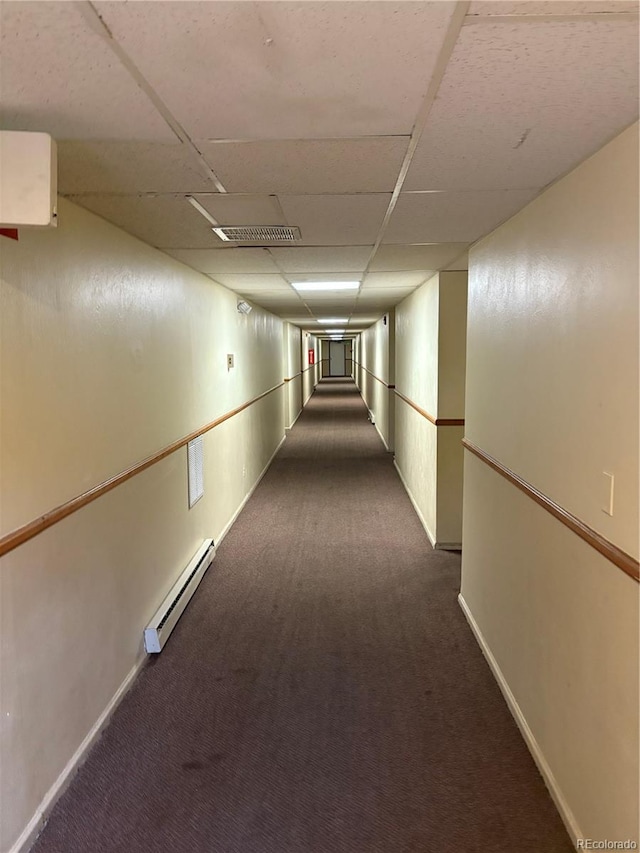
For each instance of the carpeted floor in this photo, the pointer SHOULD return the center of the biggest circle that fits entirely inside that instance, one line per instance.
(322, 693)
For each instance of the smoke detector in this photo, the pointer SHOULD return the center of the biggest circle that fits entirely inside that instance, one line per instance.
(258, 233)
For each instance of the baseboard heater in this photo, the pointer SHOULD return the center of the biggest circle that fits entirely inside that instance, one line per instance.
(164, 621)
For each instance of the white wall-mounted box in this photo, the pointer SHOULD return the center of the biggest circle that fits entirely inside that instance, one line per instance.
(28, 179)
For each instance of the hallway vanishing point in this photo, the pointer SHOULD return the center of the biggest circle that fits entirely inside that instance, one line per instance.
(322, 693)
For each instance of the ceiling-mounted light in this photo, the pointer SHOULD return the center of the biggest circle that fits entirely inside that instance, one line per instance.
(329, 321)
(244, 307)
(325, 285)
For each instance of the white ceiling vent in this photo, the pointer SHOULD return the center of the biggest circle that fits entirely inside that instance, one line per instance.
(259, 233)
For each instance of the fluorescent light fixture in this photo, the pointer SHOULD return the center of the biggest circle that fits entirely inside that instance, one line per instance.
(334, 332)
(325, 285)
(329, 321)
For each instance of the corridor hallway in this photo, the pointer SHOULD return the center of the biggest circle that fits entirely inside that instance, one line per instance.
(322, 693)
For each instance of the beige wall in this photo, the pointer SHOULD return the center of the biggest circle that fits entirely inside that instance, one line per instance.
(292, 343)
(552, 393)
(110, 351)
(310, 373)
(430, 371)
(377, 371)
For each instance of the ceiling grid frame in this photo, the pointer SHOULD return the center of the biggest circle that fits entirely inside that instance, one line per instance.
(97, 23)
(125, 175)
(453, 31)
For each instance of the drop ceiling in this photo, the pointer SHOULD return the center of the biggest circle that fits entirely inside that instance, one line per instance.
(394, 135)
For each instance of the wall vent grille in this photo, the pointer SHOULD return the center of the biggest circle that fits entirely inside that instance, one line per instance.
(259, 233)
(195, 459)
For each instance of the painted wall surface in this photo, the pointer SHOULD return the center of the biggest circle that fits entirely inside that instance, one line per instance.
(324, 358)
(110, 351)
(452, 356)
(552, 393)
(292, 343)
(452, 343)
(310, 372)
(376, 372)
(430, 371)
(416, 449)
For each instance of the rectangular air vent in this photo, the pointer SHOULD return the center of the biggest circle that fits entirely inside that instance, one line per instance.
(259, 233)
(195, 461)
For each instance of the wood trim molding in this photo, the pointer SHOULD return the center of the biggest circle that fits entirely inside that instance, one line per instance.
(377, 378)
(435, 421)
(291, 378)
(27, 531)
(611, 552)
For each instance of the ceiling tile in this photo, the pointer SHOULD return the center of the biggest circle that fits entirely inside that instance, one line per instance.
(275, 302)
(310, 278)
(321, 300)
(230, 260)
(254, 283)
(361, 318)
(277, 308)
(460, 263)
(336, 220)
(164, 221)
(285, 70)
(325, 311)
(387, 280)
(230, 209)
(338, 259)
(550, 7)
(60, 76)
(271, 297)
(432, 256)
(302, 166)
(114, 166)
(383, 297)
(549, 94)
(452, 216)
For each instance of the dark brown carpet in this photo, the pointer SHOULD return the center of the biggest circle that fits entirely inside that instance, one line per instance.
(322, 693)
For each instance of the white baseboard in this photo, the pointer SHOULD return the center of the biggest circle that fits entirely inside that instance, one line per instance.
(235, 515)
(558, 797)
(293, 423)
(37, 822)
(374, 421)
(384, 441)
(448, 546)
(431, 537)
